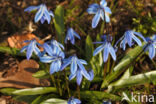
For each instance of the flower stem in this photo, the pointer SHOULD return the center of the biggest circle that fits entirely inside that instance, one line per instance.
(67, 84)
(58, 84)
(78, 91)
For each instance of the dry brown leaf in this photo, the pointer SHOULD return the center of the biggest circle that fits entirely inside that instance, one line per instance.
(17, 41)
(23, 77)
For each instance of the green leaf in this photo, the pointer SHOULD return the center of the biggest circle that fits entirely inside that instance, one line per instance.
(123, 65)
(26, 98)
(41, 74)
(89, 48)
(7, 91)
(42, 98)
(35, 91)
(59, 23)
(13, 51)
(97, 95)
(134, 80)
(54, 101)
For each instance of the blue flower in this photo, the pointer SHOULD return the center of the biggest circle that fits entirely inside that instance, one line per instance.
(31, 47)
(100, 11)
(106, 47)
(55, 56)
(42, 13)
(71, 34)
(73, 100)
(78, 74)
(54, 43)
(106, 102)
(75, 63)
(129, 37)
(151, 46)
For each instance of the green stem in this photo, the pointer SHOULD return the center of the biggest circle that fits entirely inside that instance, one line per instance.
(58, 84)
(78, 91)
(67, 84)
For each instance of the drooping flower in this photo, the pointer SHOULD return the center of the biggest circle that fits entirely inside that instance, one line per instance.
(55, 56)
(100, 11)
(73, 100)
(42, 13)
(79, 75)
(71, 34)
(75, 63)
(57, 44)
(106, 47)
(129, 38)
(31, 47)
(151, 46)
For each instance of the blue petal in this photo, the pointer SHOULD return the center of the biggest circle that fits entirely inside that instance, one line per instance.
(123, 44)
(82, 61)
(61, 54)
(27, 41)
(24, 48)
(107, 17)
(58, 63)
(107, 9)
(54, 67)
(77, 101)
(96, 19)
(46, 59)
(97, 42)
(91, 73)
(37, 51)
(92, 10)
(76, 34)
(97, 50)
(30, 50)
(105, 53)
(128, 36)
(39, 14)
(112, 52)
(65, 64)
(42, 20)
(152, 51)
(79, 77)
(46, 14)
(71, 76)
(31, 8)
(48, 49)
(85, 73)
(140, 35)
(80, 65)
(73, 67)
(137, 40)
(72, 40)
(61, 45)
(94, 6)
(102, 14)
(103, 3)
(51, 13)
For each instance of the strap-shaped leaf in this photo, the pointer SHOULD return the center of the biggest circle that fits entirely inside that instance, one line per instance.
(35, 91)
(89, 48)
(7, 91)
(123, 65)
(59, 23)
(54, 101)
(134, 80)
(41, 74)
(42, 98)
(97, 95)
